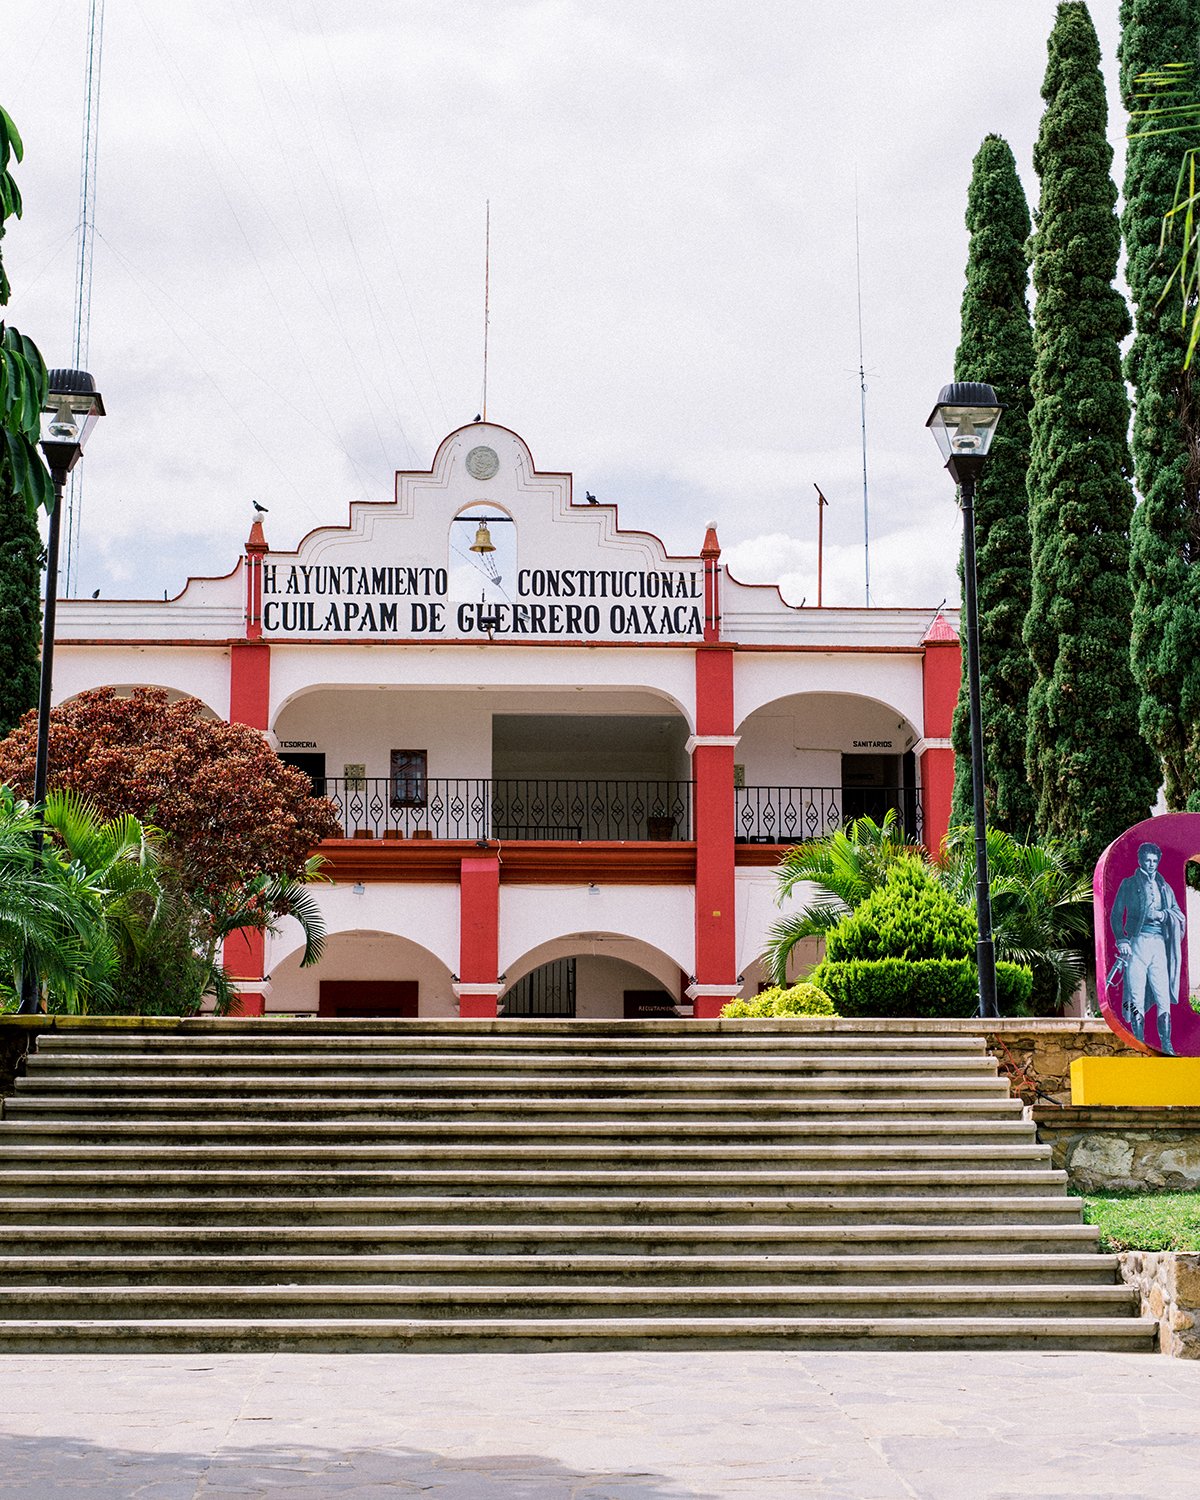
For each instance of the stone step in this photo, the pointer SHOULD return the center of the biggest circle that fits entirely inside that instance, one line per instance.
(1012, 1237)
(1063, 1269)
(577, 1209)
(467, 1180)
(516, 1303)
(351, 1085)
(304, 1111)
(584, 1155)
(570, 1032)
(1002, 1125)
(1115, 1334)
(343, 1064)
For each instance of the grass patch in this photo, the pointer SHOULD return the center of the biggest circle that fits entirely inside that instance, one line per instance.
(1145, 1221)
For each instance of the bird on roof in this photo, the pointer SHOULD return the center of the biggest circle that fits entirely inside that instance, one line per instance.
(479, 416)
(261, 509)
(591, 499)
(96, 594)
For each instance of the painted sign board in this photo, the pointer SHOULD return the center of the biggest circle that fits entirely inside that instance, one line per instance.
(1140, 896)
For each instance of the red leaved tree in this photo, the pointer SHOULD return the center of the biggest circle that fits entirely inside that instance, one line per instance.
(230, 806)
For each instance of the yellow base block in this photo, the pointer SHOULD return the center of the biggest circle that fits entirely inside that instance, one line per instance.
(1136, 1081)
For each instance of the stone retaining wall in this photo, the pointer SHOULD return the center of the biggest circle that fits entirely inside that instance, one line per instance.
(1118, 1149)
(1169, 1285)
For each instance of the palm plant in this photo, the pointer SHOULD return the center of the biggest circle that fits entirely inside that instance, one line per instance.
(1041, 907)
(51, 917)
(830, 877)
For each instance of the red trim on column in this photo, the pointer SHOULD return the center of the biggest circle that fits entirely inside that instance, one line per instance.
(479, 932)
(712, 772)
(244, 957)
(941, 674)
(256, 548)
(937, 793)
(711, 553)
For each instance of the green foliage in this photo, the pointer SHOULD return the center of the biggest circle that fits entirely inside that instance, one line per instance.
(841, 869)
(929, 987)
(1145, 1221)
(24, 481)
(798, 1000)
(996, 347)
(1041, 908)
(1091, 772)
(1165, 532)
(910, 916)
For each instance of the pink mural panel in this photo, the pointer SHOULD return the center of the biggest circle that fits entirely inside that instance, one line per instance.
(1141, 935)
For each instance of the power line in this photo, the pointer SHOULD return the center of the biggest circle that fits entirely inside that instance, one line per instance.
(84, 260)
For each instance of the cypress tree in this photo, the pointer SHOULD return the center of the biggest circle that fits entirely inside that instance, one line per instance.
(1092, 774)
(1165, 533)
(20, 545)
(996, 348)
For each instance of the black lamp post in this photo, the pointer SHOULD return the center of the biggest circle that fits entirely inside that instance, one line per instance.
(964, 422)
(71, 409)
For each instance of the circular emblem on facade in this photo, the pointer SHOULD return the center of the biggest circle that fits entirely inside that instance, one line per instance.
(482, 463)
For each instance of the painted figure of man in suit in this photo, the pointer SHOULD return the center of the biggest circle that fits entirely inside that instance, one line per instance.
(1148, 926)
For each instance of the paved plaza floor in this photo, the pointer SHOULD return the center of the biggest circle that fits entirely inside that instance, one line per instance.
(589, 1426)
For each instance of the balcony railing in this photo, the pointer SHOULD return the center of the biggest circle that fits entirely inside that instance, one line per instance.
(474, 808)
(588, 811)
(790, 814)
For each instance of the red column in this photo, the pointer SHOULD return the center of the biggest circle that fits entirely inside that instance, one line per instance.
(941, 675)
(244, 953)
(716, 979)
(479, 937)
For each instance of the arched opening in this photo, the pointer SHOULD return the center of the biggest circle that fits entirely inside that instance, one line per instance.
(809, 762)
(364, 973)
(482, 565)
(594, 976)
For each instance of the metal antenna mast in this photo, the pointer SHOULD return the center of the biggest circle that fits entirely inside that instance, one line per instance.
(85, 234)
(487, 276)
(862, 396)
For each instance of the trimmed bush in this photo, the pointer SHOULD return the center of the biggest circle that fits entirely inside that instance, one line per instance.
(799, 1000)
(910, 916)
(930, 987)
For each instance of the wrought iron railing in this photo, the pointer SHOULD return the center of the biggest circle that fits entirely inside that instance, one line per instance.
(790, 814)
(589, 811)
(511, 808)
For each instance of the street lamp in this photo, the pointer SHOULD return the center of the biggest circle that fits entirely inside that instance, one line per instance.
(70, 411)
(964, 422)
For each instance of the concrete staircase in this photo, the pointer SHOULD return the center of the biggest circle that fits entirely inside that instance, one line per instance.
(246, 1185)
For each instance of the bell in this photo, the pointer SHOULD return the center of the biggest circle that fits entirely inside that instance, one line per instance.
(483, 539)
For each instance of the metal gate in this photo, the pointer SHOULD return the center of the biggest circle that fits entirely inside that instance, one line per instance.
(548, 991)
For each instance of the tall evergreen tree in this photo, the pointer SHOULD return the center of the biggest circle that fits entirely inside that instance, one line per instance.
(1165, 533)
(1092, 773)
(996, 348)
(20, 545)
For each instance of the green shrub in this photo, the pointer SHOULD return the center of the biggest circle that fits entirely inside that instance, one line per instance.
(910, 916)
(933, 987)
(799, 1000)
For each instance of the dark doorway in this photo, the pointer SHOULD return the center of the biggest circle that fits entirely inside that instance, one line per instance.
(548, 991)
(311, 763)
(870, 785)
(367, 997)
(645, 1004)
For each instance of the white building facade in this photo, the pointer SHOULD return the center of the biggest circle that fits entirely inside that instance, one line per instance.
(565, 762)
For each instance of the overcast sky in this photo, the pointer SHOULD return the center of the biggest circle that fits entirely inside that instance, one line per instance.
(288, 280)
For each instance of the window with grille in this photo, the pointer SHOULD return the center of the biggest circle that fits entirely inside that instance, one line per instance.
(409, 778)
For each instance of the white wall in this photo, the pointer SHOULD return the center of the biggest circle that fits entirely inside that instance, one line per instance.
(892, 679)
(194, 671)
(755, 903)
(799, 740)
(660, 916)
(424, 914)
